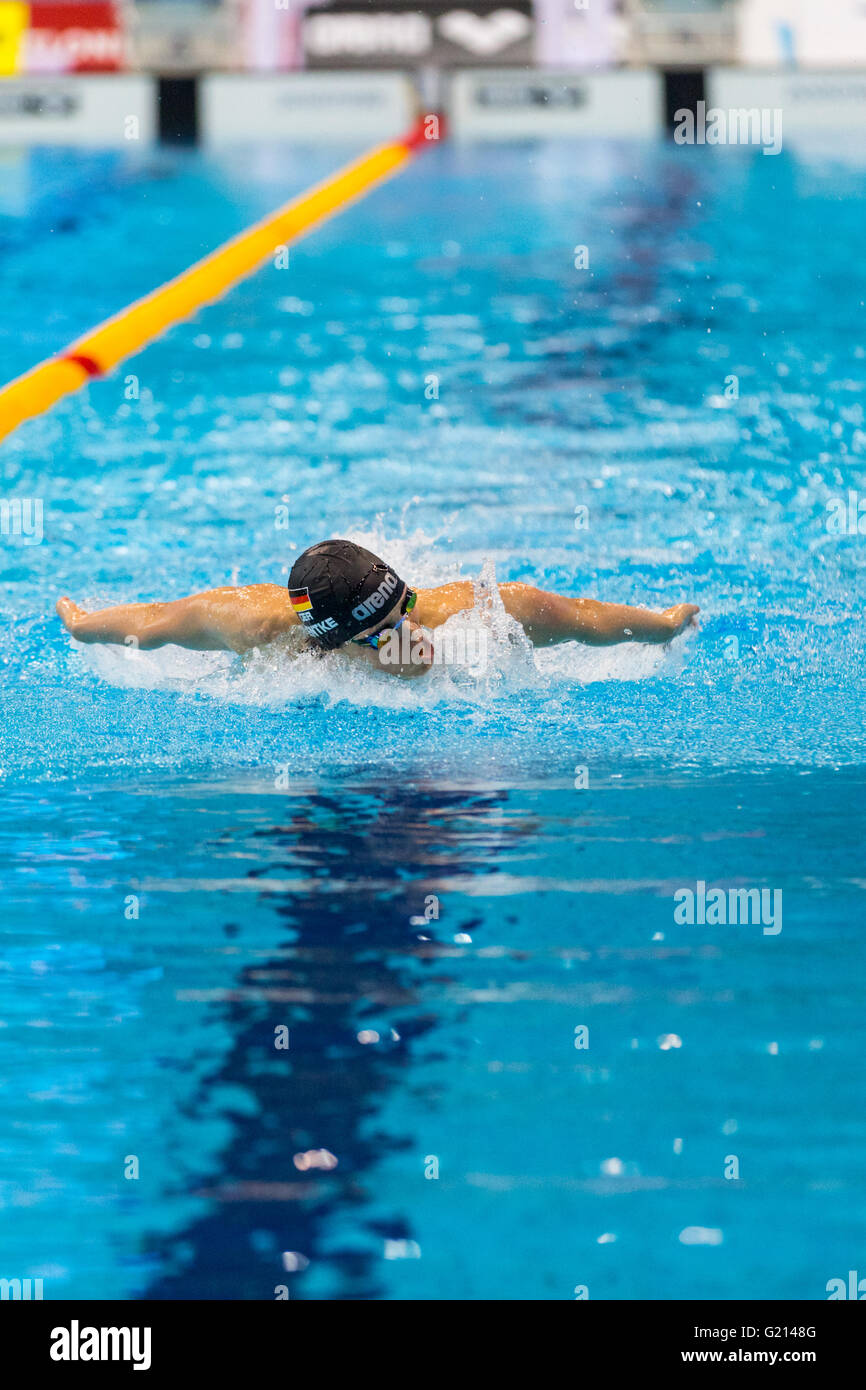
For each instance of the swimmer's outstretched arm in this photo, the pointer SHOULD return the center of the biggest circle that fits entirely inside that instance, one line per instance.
(229, 619)
(551, 618)
(238, 619)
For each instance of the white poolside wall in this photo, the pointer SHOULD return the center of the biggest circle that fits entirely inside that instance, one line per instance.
(490, 104)
(78, 110)
(818, 101)
(482, 104)
(304, 106)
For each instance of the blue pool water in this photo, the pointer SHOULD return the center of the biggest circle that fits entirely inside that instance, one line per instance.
(197, 852)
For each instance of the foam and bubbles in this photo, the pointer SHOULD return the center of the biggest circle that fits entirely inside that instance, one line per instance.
(491, 656)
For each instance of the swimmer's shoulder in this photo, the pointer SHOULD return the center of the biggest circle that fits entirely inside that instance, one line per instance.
(436, 606)
(273, 596)
(252, 614)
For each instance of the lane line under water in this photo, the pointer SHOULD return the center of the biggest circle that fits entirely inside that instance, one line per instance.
(128, 331)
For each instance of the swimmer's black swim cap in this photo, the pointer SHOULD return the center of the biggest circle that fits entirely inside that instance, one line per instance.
(338, 588)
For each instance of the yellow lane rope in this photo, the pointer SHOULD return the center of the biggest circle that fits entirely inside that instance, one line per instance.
(137, 325)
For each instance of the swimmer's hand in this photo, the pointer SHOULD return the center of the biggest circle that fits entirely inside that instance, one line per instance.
(70, 614)
(681, 617)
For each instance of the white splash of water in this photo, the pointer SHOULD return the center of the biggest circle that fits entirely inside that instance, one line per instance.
(498, 658)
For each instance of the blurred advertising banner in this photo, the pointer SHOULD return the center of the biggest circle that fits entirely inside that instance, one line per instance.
(354, 34)
(801, 33)
(319, 107)
(510, 104)
(106, 109)
(60, 37)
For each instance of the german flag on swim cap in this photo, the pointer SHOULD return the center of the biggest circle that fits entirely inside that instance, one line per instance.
(338, 589)
(301, 601)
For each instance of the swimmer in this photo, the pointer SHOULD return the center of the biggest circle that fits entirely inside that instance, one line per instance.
(340, 595)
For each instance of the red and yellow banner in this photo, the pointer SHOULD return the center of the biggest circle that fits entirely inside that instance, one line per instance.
(14, 23)
(58, 36)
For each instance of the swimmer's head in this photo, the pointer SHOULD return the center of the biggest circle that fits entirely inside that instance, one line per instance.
(339, 589)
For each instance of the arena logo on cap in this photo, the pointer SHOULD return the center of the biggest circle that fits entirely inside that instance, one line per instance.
(377, 599)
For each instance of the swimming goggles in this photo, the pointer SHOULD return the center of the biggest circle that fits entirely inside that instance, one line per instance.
(377, 639)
